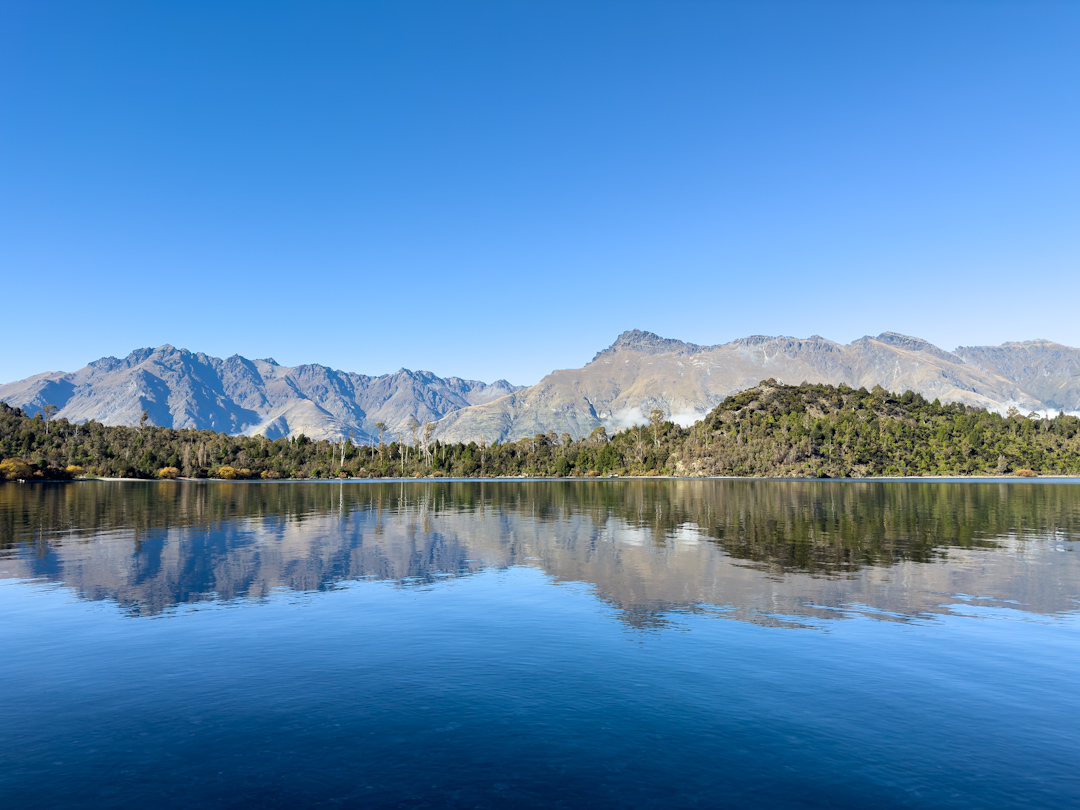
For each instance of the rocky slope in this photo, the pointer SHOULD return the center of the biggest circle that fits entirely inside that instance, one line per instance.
(641, 371)
(182, 389)
(1048, 371)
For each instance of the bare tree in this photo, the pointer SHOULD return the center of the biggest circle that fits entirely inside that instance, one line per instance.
(382, 429)
(48, 412)
(656, 417)
(413, 426)
(341, 463)
(429, 429)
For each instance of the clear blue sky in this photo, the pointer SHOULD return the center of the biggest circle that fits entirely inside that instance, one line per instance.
(497, 189)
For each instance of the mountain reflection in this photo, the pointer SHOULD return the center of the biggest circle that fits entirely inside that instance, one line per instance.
(762, 551)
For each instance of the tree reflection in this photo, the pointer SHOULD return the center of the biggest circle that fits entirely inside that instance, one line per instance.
(648, 546)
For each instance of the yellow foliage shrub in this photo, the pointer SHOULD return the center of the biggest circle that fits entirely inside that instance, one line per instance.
(168, 473)
(14, 468)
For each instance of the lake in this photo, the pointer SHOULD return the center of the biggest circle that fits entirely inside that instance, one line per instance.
(603, 644)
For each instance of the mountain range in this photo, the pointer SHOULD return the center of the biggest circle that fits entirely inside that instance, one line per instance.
(182, 389)
(640, 371)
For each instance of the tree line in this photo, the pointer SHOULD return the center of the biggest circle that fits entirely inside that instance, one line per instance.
(771, 430)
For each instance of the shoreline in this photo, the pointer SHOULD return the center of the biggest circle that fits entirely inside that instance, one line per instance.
(877, 479)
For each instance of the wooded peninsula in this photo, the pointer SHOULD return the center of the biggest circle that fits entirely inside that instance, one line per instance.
(771, 430)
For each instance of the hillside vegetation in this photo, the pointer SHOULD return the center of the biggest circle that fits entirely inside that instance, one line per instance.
(771, 430)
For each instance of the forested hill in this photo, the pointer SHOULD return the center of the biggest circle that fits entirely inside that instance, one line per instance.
(823, 430)
(771, 430)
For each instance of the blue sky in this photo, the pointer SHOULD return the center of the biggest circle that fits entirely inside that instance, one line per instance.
(498, 189)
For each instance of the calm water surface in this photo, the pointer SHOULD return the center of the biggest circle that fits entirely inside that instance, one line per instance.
(540, 644)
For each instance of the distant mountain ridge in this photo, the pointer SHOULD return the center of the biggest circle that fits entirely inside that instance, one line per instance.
(641, 371)
(636, 340)
(184, 389)
(619, 387)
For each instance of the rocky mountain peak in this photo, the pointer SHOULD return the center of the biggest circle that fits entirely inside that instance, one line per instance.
(913, 344)
(235, 395)
(637, 340)
(138, 356)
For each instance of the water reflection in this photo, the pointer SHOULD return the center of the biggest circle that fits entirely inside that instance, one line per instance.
(762, 551)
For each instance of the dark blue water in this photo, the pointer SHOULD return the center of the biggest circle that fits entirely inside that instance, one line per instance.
(622, 644)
